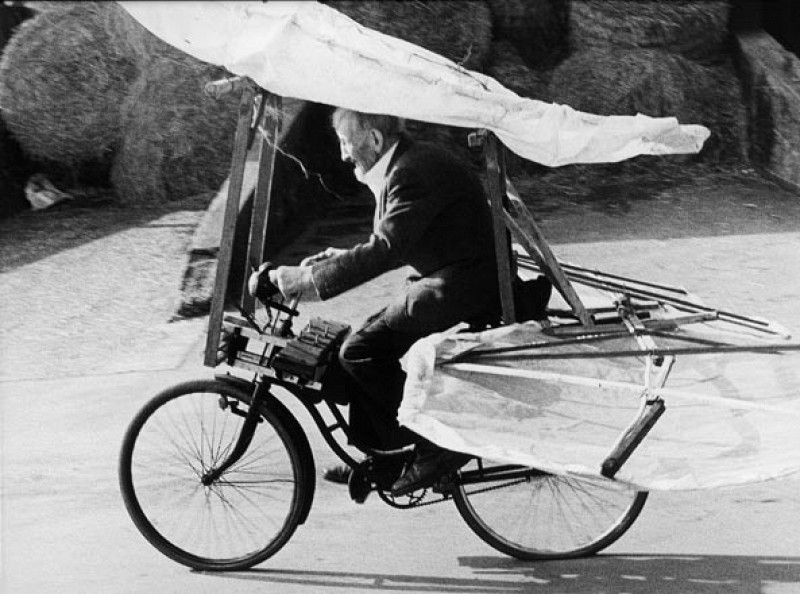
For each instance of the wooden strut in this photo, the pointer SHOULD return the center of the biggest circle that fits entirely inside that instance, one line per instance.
(651, 408)
(496, 180)
(262, 203)
(658, 293)
(527, 232)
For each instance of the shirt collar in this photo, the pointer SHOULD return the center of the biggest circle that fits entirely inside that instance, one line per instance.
(374, 178)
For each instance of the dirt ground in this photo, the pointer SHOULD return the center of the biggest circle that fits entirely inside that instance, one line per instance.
(87, 292)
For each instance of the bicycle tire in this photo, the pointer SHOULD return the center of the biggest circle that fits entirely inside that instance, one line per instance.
(239, 520)
(547, 516)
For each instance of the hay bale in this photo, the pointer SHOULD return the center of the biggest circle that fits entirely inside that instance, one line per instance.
(137, 42)
(62, 80)
(86, 87)
(460, 31)
(508, 68)
(176, 142)
(697, 29)
(538, 29)
(656, 83)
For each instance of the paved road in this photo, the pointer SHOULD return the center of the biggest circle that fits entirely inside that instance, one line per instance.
(69, 385)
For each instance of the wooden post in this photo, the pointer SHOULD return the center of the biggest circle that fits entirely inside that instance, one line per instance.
(241, 146)
(496, 179)
(269, 129)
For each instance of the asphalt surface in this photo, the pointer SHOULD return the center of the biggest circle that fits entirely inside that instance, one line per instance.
(86, 294)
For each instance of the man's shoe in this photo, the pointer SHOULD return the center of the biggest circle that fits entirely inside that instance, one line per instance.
(378, 473)
(338, 474)
(430, 464)
(387, 469)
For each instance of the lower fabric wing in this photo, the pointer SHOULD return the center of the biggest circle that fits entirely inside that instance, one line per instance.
(730, 418)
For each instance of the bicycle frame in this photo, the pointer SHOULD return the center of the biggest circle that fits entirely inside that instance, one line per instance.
(484, 474)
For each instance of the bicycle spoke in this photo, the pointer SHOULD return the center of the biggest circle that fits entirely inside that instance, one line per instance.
(547, 516)
(243, 516)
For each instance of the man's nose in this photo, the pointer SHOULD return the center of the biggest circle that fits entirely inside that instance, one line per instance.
(344, 154)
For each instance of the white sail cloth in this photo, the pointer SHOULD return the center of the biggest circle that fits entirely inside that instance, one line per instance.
(309, 51)
(730, 419)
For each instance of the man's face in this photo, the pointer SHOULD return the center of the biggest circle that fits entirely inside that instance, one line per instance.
(357, 146)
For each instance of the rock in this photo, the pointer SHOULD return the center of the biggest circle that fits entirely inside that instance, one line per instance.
(771, 78)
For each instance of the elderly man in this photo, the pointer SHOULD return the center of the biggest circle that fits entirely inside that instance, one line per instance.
(432, 215)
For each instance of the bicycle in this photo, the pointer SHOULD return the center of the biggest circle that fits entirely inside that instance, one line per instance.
(218, 474)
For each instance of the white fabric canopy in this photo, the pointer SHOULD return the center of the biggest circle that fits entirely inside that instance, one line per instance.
(309, 51)
(730, 419)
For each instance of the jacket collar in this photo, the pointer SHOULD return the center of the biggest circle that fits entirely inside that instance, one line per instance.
(402, 146)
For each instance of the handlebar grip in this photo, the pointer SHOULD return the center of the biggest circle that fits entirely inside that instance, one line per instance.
(265, 289)
(219, 88)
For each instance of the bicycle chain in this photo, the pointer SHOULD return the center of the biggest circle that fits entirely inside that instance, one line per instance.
(388, 498)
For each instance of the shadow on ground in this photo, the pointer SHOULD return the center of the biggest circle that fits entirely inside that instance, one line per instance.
(639, 574)
(701, 203)
(30, 236)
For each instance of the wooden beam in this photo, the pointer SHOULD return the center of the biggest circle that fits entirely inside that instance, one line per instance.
(496, 179)
(262, 201)
(235, 183)
(527, 232)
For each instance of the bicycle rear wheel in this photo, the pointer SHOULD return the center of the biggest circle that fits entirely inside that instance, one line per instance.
(543, 516)
(241, 518)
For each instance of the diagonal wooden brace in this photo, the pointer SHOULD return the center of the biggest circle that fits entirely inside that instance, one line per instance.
(527, 233)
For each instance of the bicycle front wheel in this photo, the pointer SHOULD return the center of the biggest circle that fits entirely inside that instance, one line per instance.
(543, 516)
(238, 520)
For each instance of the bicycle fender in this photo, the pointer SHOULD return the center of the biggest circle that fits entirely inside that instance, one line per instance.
(294, 428)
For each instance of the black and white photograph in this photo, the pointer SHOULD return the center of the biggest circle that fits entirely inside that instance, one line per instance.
(363, 296)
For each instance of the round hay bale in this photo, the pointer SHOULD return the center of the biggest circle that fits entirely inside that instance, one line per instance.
(508, 68)
(61, 83)
(659, 84)
(460, 31)
(697, 29)
(537, 28)
(136, 41)
(176, 141)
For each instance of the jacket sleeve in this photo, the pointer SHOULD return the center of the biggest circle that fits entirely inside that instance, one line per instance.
(411, 204)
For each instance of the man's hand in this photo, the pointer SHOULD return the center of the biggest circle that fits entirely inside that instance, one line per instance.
(323, 255)
(253, 281)
(294, 281)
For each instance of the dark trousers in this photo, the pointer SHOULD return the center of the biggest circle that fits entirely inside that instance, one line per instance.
(368, 374)
(372, 379)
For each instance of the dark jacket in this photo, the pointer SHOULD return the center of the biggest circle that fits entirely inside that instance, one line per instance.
(434, 217)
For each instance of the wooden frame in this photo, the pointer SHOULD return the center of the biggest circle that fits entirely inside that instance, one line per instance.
(509, 213)
(259, 117)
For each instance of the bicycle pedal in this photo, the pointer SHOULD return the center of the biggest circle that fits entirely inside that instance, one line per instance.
(443, 486)
(358, 486)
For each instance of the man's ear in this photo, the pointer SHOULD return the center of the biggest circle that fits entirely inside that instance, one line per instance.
(377, 140)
